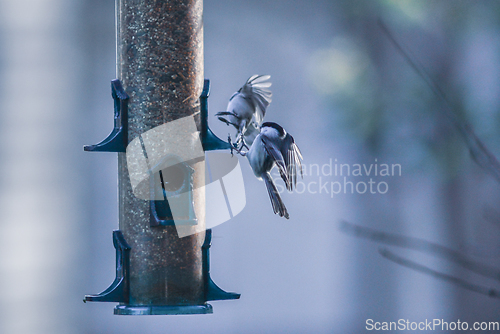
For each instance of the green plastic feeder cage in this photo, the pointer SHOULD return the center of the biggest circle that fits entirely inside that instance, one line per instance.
(160, 80)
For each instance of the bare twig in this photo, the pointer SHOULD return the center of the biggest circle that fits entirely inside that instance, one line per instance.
(478, 151)
(422, 246)
(436, 274)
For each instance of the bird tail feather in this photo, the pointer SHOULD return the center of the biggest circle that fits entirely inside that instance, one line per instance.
(277, 203)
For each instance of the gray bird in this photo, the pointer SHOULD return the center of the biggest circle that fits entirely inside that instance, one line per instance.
(247, 107)
(273, 146)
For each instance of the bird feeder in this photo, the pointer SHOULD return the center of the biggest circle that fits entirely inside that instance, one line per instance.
(160, 128)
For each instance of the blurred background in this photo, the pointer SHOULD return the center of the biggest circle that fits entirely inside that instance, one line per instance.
(344, 92)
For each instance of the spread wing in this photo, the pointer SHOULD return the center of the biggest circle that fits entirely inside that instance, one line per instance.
(292, 156)
(288, 159)
(275, 153)
(257, 88)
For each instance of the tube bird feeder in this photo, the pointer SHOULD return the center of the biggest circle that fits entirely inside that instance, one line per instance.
(160, 128)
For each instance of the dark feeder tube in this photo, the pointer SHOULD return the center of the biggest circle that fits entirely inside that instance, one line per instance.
(160, 80)
(160, 64)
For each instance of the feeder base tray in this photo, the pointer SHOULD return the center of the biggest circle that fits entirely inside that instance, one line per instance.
(162, 310)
